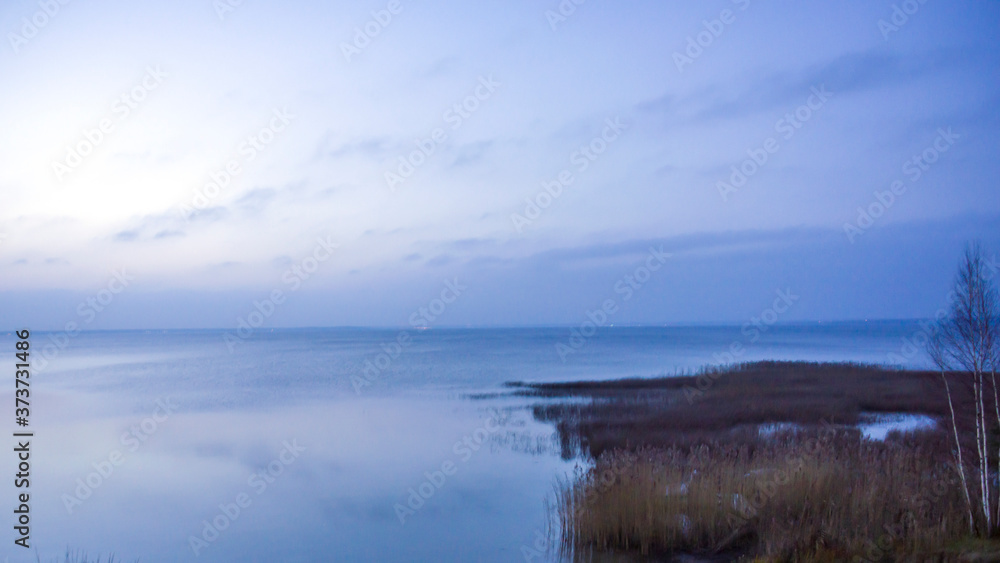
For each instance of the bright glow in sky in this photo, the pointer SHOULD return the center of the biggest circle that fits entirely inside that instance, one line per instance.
(490, 102)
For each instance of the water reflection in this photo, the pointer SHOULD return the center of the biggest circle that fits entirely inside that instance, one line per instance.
(225, 484)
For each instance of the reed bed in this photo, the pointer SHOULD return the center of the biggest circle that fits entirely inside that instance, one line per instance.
(677, 473)
(734, 400)
(806, 495)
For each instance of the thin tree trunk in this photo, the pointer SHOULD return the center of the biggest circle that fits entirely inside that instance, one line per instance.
(979, 445)
(985, 459)
(958, 449)
(996, 407)
(983, 454)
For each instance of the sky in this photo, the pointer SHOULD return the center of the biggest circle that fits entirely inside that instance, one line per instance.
(187, 163)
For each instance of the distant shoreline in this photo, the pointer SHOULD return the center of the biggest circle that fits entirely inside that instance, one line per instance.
(729, 401)
(459, 327)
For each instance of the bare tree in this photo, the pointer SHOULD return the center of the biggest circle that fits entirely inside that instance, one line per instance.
(965, 341)
(936, 352)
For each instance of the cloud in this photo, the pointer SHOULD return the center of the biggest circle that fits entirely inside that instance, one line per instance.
(127, 236)
(844, 74)
(440, 260)
(171, 224)
(471, 152)
(372, 147)
(472, 244)
(207, 215)
(168, 234)
(255, 200)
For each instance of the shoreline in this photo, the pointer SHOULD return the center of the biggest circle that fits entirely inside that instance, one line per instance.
(726, 402)
(680, 468)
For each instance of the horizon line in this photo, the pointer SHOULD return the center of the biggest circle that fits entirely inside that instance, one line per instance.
(723, 324)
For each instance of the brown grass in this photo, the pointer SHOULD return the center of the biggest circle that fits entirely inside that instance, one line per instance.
(818, 496)
(735, 400)
(681, 467)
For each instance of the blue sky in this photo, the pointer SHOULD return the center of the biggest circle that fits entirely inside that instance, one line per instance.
(205, 149)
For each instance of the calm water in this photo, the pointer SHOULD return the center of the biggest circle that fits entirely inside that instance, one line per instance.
(293, 447)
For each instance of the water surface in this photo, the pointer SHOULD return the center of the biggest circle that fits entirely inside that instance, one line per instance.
(395, 463)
